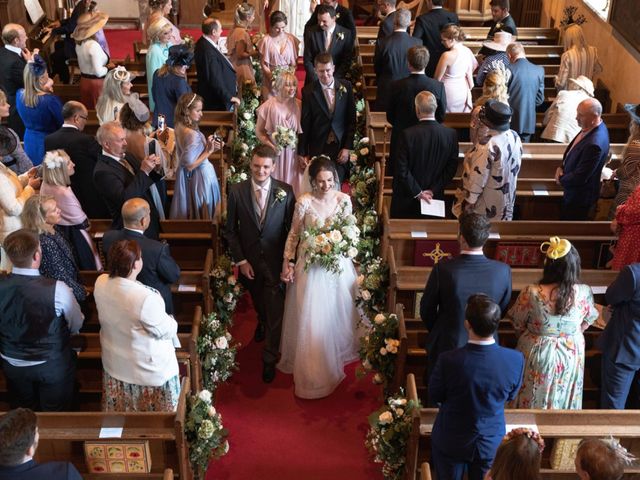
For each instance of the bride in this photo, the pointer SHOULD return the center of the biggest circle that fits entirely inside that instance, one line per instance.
(318, 335)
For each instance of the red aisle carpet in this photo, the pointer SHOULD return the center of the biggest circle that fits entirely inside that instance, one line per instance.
(275, 436)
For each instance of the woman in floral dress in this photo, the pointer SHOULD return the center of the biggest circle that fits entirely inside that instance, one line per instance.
(549, 318)
(283, 111)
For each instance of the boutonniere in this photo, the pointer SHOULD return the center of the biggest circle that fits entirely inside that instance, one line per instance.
(341, 91)
(280, 195)
(498, 26)
(337, 15)
(340, 36)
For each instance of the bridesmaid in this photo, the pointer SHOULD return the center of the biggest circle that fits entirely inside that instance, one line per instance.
(239, 44)
(279, 49)
(196, 191)
(283, 110)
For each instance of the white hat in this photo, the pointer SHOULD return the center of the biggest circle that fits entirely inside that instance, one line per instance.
(583, 83)
(500, 42)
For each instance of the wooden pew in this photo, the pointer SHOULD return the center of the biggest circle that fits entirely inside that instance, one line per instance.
(553, 425)
(399, 374)
(62, 437)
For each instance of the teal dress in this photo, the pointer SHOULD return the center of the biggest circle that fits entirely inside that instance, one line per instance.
(157, 55)
(553, 347)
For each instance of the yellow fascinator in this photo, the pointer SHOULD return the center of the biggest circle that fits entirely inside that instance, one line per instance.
(556, 247)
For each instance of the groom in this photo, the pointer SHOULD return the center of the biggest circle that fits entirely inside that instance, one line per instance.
(259, 213)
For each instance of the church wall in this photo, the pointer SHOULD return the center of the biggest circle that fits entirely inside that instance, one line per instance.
(620, 61)
(120, 8)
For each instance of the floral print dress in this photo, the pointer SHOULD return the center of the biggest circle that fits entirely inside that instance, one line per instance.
(553, 347)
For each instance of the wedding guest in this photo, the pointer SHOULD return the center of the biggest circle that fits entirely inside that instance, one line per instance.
(620, 341)
(160, 36)
(283, 112)
(240, 46)
(518, 456)
(493, 88)
(12, 155)
(42, 215)
(197, 191)
(13, 58)
(116, 90)
(428, 27)
(159, 9)
(344, 17)
(579, 58)
(455, 69)
(138, 338)
(170, 83)
(39, 108)
(38, 363)
(626, 225)
(93, 56)
(601, 459)
(490, 170)
(501, 19)
(628, 172)
(550, 317)
(74, 224)
(496, 56)
(560, 117)
(18, 444)
(14, 192)
(278, 51)
(297, 13)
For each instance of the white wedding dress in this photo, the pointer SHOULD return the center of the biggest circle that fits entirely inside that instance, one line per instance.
(320, 317)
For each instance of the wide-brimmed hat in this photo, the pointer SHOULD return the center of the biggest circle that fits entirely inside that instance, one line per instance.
(88, 24)
(500, 42)
(156, 27)
(583, 83)
(8, 141)
(634, 111)
(496, 115)
(180, 55)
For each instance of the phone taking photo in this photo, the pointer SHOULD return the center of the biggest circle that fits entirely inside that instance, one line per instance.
(152, 148)
(161, 122)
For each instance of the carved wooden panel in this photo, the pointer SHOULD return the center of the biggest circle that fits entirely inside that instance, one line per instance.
(473, 10)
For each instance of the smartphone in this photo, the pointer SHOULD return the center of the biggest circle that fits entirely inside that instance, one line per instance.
(161, 123)
(152, 147)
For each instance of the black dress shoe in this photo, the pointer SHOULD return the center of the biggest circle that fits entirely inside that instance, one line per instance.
(268, 372)
(258, 336)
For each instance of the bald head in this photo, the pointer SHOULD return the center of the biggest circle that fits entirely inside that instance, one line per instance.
(112, 138)
(426, 105)
(135, 213)
(15, 35)
(589, 114)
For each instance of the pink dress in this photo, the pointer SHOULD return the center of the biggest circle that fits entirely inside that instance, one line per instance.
(273, 114)
(244, 69)
(456, 83)
(280, 51)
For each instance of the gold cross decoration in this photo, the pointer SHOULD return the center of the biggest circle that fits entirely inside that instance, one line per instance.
(436, 254)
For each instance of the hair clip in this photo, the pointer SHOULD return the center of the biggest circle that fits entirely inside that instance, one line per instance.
(121, 74)
(37, 65)
(622, 453)
(556, 247)
(192, 100)
(527, 432)
(53, 160)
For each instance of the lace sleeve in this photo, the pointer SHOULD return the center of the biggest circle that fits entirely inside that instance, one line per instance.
(297, 224)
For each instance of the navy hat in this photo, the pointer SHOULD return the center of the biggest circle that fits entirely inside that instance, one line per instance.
(634, 111)
(180, 55)
(496, 115)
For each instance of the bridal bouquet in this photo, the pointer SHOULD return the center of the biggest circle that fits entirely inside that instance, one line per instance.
(327, 243)
(285, 137)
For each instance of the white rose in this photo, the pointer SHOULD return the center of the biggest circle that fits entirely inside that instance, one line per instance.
(231, 280)
(335, 236)
(212, 411)
(226, 446)
(353, 158)
(244, 147)
(377, 379)
(205, 396)
(383, 351)
(385, 418)
(366, 365)
(228, 298)
(399, 412)
(366, 295)
(222, 343)
(399, 401)
(392, 349)
(364, 151)
(246, 116)
(379, 319)
(352, 252)
(243, 176)
(364, 140)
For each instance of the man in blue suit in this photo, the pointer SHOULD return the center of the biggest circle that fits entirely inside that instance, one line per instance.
(471, 385)
(620, 341)
(526, 91)
(451, 283)
(582, 163)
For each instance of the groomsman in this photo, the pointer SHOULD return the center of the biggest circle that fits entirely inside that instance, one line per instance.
(327, 37)
(259, 214)
(328, 117)
(344, 17)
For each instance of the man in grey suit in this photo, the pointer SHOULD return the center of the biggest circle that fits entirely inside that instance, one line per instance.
(259, 213)
(526, 91)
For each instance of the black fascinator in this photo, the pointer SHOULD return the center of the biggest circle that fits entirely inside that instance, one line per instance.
(180, 55)
(38, 66)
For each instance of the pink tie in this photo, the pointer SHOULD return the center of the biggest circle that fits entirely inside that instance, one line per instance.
(330, 96)
(260, 198)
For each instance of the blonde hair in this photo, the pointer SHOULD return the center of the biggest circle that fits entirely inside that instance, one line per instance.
(55, 168)
(32, 86)
(242, 14)
(157, 28)
(574, 37)
(283, 79)
(34, 212)
(453, 32)
(494, 88)
(185, 104)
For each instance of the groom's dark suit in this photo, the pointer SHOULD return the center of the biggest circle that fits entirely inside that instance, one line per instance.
(259, 239)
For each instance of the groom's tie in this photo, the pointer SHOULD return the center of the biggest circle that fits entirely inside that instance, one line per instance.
(261, 200)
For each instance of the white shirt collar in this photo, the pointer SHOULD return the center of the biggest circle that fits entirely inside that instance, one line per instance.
(211, 42)
(483, 342)
(107, 154)
(471, 252)
(331, 86)
(332, 30)
(141, 232)
(265, 187)
(31, 272)
(14, 49)
(70, 125)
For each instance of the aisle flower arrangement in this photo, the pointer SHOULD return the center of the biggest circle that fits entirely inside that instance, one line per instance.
(390, 428)
(204, 431)
(372, 287)
(216, 350)
(326, 244)
(226, 289)
(245, 139)
(379, 349)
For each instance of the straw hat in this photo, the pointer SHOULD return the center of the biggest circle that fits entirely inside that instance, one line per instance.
(583, 83)
(500, 42)
(89, 24)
